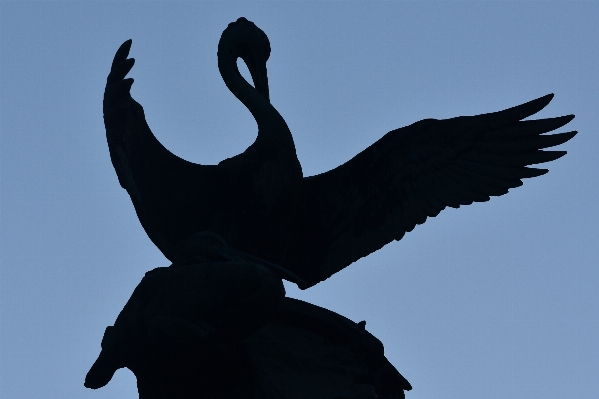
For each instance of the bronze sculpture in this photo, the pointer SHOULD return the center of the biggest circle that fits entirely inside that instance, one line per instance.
(256, 213)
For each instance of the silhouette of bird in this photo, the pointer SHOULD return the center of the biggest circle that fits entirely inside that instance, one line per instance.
(261, 204)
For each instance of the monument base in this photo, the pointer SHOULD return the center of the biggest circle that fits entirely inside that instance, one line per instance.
(304, 351)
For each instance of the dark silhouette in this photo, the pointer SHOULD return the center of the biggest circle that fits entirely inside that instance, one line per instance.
(186, 335)
(219, 326)
(315, 226)
(216, 323)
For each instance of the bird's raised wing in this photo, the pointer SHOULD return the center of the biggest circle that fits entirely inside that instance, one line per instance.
(408, 175)
(162, 186)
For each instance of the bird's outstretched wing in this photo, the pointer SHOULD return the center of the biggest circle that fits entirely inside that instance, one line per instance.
(161, 185)
(408, 175)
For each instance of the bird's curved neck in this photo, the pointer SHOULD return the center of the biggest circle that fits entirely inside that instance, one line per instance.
(271, 125)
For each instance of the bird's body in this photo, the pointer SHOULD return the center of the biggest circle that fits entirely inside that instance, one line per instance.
(174, 198)
(261, 204)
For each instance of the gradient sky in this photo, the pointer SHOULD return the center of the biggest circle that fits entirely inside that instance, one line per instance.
(493, 300)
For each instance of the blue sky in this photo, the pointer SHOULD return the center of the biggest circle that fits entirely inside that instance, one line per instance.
(491, 300)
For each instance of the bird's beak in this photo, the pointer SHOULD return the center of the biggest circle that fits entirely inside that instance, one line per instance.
(259, 76)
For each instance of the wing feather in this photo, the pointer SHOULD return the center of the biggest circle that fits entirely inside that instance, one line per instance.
(411, 174)
(428, 202)
(157, 180)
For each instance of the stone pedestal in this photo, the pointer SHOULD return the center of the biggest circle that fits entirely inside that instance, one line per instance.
(220, 327)
(302, 352)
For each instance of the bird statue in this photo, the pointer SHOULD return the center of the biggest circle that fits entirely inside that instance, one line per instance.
(211, 324)
(260, 203)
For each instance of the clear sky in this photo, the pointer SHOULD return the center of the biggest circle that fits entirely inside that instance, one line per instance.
(493, 300)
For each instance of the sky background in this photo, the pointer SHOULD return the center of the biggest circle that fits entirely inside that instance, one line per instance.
(493, 300)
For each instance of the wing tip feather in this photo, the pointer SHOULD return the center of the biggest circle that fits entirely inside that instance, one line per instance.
(527, 109)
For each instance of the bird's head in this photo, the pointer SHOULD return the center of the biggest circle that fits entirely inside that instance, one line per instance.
(243, 39)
